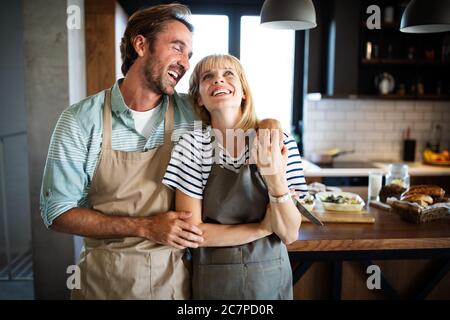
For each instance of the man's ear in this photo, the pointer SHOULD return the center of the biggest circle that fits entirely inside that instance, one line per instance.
(140, 45)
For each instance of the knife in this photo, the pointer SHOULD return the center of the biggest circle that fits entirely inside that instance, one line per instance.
(305, 212)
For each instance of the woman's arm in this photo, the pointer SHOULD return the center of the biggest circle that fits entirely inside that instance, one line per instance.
(285, 217)
(218, 235)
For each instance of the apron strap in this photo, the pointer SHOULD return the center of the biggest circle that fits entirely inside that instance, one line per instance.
(107, 127)
(168, 122)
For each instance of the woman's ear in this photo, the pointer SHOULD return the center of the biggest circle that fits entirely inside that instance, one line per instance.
(199, 101)
(140, 45)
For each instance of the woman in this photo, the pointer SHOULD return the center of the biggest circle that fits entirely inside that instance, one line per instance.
(243, 255)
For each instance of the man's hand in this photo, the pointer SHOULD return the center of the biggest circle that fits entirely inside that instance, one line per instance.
(170, 228)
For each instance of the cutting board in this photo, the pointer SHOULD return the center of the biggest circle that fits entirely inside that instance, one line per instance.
(342, 217)
(380, 205)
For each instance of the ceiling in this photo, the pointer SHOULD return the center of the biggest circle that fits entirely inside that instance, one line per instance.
(132, 6)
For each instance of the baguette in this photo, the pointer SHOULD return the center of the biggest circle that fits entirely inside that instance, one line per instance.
(431, 190)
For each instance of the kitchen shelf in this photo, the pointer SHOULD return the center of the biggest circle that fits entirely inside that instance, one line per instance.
(416, 62)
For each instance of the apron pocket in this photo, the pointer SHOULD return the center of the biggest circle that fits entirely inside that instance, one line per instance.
(116, 275)
(218, 281)
(264, 280)
(170, 277)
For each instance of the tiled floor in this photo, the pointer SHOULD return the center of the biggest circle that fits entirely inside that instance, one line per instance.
(16, 290)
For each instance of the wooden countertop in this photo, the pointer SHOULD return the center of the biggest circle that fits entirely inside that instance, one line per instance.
(389, 232)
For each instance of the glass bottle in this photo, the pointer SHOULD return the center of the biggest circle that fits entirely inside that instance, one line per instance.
(398, 174)
(435, 139)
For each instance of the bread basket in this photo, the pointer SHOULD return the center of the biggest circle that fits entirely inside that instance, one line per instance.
(412, 212)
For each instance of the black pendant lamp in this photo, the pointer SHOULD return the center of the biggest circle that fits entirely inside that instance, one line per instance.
(426, 16)
(288, 14)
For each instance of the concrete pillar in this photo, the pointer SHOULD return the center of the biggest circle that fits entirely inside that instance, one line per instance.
(47, 94)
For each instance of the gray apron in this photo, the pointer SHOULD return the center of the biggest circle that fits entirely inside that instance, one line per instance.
(257, 270)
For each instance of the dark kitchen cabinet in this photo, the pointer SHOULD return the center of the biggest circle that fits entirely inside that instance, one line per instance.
(345, 57)
(333, 48)
(400, 65)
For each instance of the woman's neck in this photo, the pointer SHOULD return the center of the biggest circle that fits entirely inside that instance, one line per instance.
(225, 123)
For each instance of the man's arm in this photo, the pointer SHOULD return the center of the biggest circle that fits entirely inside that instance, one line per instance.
(64, 186)
(169, 228)
(218, 235)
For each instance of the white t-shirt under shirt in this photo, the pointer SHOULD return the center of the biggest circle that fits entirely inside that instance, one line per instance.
(143, 121)
(192, 159)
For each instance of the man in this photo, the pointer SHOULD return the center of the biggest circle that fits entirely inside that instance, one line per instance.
(106, 161)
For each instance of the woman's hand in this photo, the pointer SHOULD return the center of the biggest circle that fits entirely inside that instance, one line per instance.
(271, 160)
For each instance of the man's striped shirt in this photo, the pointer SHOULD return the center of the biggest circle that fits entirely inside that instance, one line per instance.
(76, 143)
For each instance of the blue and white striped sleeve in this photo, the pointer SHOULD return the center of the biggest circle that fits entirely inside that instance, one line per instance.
(64, 177)
(184, 171)
(294, 171)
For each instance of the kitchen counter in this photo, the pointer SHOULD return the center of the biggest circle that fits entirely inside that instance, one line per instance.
(389, 232)
(332, 261)
(415, 169)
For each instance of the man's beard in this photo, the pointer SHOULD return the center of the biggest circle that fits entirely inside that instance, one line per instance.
(153, 76)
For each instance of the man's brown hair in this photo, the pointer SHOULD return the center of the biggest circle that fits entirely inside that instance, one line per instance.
(148, 23)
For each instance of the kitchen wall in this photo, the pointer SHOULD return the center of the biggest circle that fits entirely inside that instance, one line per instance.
(373, 128)
(14, 200)
(47, 94)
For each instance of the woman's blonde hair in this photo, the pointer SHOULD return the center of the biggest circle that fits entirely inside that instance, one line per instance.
(249, 119)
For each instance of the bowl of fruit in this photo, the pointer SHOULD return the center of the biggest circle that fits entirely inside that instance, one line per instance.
(436, 158)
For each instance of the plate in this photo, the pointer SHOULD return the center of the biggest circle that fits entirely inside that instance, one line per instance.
(385, 83)
(437, 163)
(309, 206)
(343, 207)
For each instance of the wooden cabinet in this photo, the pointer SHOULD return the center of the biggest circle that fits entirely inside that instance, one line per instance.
(333, 261)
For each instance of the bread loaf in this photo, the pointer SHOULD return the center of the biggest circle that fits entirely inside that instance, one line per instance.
(421, 199)
(431, 190)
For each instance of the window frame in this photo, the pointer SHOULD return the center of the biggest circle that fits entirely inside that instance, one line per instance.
(235, 10)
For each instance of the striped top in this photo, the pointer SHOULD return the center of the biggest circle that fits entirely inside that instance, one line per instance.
(193, 157)
(76, 144)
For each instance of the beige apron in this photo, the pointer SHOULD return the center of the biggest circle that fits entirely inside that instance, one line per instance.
(130, 184)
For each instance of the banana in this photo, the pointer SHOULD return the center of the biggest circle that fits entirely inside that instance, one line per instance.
(429, 155)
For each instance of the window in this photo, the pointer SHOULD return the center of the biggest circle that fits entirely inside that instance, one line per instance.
(210, 37)
(268, 58)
